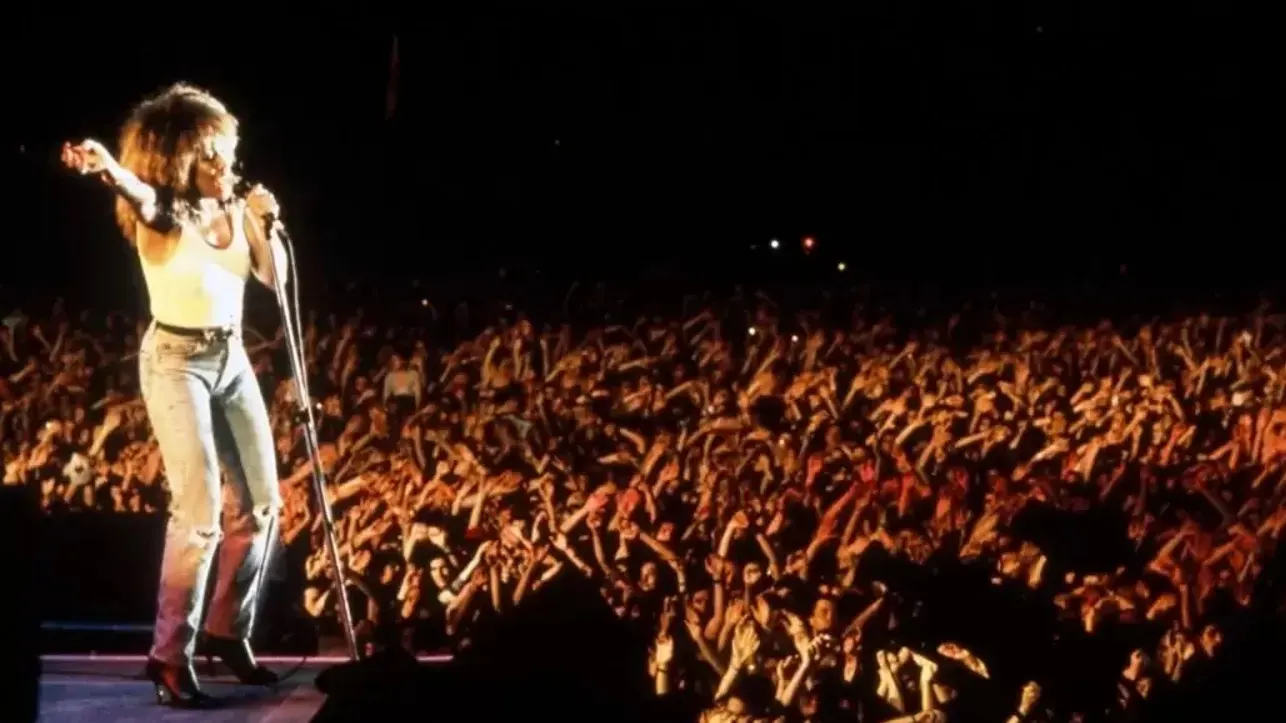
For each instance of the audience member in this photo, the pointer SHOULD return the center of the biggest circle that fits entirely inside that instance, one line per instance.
(990, 517)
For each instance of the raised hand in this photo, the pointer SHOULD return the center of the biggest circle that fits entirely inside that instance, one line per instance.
(261, 203)
(798, 633)
(815, 463)
(87, 157)
(745, 643)
(663, 654)
(740, 520)
(669, 612)
(629, 531)
(866, 473)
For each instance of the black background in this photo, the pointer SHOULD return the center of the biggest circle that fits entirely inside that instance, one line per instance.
(952, 141)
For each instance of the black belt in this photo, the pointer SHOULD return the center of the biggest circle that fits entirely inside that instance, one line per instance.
(205, 332)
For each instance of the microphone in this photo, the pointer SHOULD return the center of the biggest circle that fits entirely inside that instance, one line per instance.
(273, 225)
(241, 188)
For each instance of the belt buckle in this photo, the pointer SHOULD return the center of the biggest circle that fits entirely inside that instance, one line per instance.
(218, 333)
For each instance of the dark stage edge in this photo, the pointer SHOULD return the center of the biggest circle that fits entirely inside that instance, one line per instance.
(111, 689)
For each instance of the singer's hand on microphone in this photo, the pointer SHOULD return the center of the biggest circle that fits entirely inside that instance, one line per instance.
(260, 203)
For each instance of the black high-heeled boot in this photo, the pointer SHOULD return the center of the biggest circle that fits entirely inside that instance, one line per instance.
(176, 685)
(240, 660)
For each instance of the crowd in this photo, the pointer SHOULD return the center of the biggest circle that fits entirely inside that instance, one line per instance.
(813, 516)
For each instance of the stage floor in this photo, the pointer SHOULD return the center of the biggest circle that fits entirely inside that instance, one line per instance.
(111, 689)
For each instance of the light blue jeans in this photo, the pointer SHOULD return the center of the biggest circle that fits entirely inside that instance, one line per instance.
(205, 407)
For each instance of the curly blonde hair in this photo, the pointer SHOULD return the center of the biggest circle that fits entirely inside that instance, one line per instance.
(162, 141)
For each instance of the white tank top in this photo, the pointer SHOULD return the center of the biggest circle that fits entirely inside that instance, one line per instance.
(200, 285)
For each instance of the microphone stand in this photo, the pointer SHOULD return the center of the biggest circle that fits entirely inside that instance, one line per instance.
(304, 418)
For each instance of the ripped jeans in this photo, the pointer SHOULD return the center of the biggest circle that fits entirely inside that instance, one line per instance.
(205, 406)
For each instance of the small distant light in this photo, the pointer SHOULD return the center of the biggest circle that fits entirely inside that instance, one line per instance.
(809, 243)
(794, 338)
(424, 302)
(841, 266)
(752, 331)
(774, 243)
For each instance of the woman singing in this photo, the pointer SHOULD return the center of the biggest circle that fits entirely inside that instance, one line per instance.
(198, 244)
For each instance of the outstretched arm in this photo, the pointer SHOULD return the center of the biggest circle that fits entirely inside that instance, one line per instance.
(91, 157)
